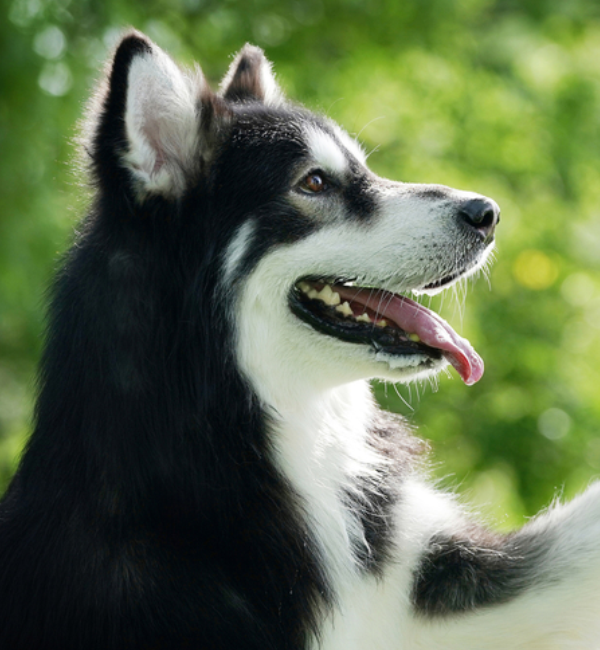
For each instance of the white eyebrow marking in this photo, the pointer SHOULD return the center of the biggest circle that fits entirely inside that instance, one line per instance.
(325, 151)
(351, 144)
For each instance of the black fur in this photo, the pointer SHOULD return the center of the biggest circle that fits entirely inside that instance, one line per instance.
(246, 85)
(110, 141)
(358, 197)
(380, 494)
(146, 512)
(257, 194)
(478, 569)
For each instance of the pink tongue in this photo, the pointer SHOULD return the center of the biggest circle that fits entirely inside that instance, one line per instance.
(413, 318)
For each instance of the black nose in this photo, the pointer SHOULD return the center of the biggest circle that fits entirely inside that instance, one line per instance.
(482, 214)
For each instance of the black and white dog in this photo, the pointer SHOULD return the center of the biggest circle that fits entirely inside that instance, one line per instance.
(208, 469)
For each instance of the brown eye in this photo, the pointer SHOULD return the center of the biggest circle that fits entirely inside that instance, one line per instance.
(314, 183)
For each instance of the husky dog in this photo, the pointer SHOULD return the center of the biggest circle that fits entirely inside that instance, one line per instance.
(208, 469)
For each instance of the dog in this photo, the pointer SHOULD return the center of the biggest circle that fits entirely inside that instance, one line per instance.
(208, 468)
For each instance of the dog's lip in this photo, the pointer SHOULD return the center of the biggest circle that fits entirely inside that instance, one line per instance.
(443, 282)
(434, 336)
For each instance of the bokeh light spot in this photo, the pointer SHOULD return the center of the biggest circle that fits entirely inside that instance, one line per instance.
(535, 270)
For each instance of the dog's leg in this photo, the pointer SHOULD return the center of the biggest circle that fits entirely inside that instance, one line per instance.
(454, 586)
(537, 588)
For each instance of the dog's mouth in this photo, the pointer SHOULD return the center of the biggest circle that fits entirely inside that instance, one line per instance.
(391, 324)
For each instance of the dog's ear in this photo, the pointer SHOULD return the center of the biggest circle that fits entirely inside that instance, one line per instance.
(250, 78)
(146, 129)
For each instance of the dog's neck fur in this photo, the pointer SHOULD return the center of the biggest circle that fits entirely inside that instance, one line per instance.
(320, 445)
(319, 428)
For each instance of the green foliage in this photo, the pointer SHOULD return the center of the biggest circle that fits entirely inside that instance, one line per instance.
(496, 96)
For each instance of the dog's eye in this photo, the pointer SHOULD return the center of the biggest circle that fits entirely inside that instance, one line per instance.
(314, 183)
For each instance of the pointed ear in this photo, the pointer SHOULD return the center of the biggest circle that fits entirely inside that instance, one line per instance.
(149, 121)
(250, 78)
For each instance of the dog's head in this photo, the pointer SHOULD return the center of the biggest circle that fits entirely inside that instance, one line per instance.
(315, 252)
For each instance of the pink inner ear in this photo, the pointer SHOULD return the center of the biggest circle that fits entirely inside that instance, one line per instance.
(160, 159)
(162, 123)
(151, 130)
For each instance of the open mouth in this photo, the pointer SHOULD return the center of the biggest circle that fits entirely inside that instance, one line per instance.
(390, 323)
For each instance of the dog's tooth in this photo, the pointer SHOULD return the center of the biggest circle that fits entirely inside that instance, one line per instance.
(345, 309)
(304, 287)
(333, 298)
(312, 294)
(325, 293)
(328, 296)
(363, 318)
(381, 323)
(414, 337)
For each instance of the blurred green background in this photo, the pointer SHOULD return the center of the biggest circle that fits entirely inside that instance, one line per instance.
(498, 97)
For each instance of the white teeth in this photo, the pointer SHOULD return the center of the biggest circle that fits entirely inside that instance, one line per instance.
(329, 296)
(345, 309)
(326, 295)
(333, 299)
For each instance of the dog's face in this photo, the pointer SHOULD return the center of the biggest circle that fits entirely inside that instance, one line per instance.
(332, 302)
(323, 261)
(318, 253)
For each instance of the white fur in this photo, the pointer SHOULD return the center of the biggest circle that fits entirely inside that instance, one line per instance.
(271, 92)
(161, 121)
(312, 385)
(236, 250)
(319, 458)
(315, 390)
(351, 144)
(376, 613)
(398, 246)
(563, 613)
(325, 151)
